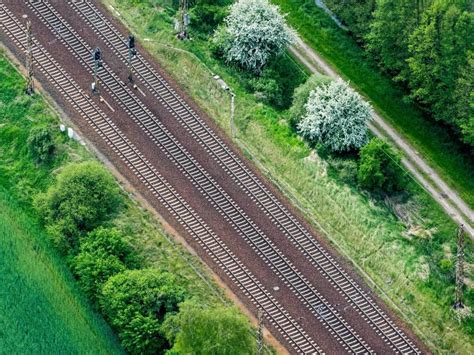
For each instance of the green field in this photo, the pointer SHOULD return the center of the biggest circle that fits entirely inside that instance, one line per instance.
(41, 310)
(441, 149)
(398, 243)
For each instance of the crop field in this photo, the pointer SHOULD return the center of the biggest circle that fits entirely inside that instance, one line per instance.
(41, 310)
(405, 245)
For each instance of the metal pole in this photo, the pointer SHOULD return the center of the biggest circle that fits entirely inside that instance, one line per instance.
(232, 111)
(260, 333)
(29, 59)
(460, 269)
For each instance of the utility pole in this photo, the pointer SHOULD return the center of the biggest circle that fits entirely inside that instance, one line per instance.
(183, 21)
(232, 111)
(97, 57)
(260, 333)
(132, 53)
(459, 269)
(29, 59)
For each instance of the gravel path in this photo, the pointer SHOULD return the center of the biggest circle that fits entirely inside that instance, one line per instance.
(449, 199)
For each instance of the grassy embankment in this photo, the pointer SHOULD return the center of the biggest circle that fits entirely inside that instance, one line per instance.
(435, 143)
(42, 309)
(401, 255)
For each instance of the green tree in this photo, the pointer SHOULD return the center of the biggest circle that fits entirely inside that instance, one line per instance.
(136, 303)
(387, 41)
(82, 198)
(379, 167)
(439, 50)
(356, 14)
(464, 97)
(41, 144)
(213, 330)
(301, 94)
(102, 254)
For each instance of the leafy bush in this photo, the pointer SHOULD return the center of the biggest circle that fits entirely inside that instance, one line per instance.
(136, 303)
(446, 265)
(336, 116)
(216, 330)
(102, 254)
(41, 144)
(206, 17)
(300, 97)
(83, 197)
(379, 167)
(254, 32)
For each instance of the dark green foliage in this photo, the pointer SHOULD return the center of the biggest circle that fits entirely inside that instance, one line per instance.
(217, 330)
(438, 53)
(41, 144)
(102, 254)
(425, 44)
(300, 97)
(379, 167)
(136, 302)
(356, 14)
(207, 16)
(83, 197)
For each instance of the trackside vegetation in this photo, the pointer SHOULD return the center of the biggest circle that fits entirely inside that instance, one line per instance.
(68, 231)
(402, 241)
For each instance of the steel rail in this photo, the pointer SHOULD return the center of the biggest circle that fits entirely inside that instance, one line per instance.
(254, 188)
(320, 308)
(185, 215)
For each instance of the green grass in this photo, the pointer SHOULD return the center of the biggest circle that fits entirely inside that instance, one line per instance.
(402, 256)
(41, 310)
(440, 148)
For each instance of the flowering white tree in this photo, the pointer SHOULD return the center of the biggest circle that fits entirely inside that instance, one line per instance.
(336, 116)
(253, 32)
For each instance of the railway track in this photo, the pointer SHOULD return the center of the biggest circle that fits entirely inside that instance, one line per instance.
(249, 183)
(220, 200)
(147, 174)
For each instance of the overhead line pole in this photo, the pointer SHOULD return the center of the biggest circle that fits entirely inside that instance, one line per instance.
(29, 59)
(460, 269)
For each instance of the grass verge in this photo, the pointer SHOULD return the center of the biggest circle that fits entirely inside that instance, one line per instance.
(397, 243)
(441, 149)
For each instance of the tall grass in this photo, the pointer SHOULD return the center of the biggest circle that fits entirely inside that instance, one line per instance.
(401, 256)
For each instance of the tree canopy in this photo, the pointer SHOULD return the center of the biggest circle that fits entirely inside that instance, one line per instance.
(336, 116)
(211, 330)
(136, 302)
(253, 32)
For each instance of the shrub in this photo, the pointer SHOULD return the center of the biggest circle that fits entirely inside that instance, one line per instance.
(379, 167)
(216, 330)
(336, 116)
(102, 254)
(300, 97)
(206, 17)
(41, 144)
(253, 33)
(136, 303)
(82, 198)
(446, 265)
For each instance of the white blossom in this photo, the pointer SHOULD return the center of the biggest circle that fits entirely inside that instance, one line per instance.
(336, 116)
(254, 31)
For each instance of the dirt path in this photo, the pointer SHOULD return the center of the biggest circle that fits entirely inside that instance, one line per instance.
(451, 202)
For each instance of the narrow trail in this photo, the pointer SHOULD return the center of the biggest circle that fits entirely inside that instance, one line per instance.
(426, 176)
